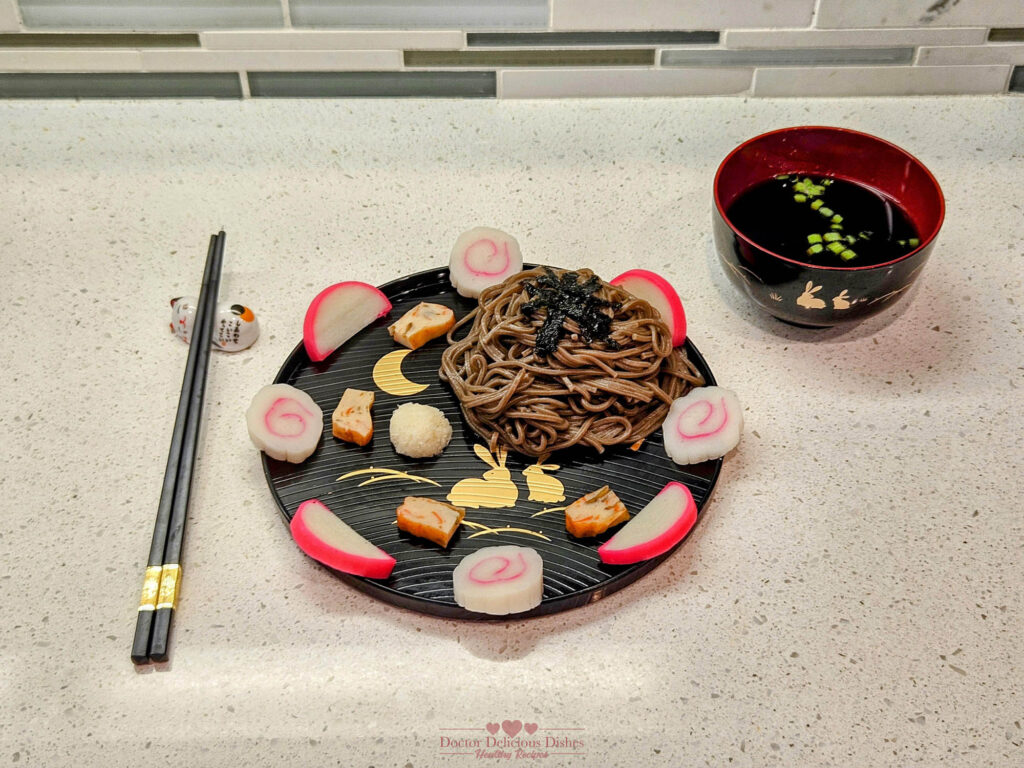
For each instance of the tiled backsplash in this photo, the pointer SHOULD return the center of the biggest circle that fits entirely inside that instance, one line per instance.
(508, 48)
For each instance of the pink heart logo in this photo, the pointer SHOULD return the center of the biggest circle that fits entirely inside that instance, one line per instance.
(493, 728)
(512, 727)
(530, 728)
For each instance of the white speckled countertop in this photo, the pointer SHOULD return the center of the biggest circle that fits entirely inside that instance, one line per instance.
(854, 596)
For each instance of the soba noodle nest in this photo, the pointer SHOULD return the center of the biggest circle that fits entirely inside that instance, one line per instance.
(586, 393)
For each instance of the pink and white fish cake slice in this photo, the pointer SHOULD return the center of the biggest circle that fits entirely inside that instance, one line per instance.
(499, 580)
(483, 257)
(658, 527)
(322, 536)
(706, 423)
(284, 423)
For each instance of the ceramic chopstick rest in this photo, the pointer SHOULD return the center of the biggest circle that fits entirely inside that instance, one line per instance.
(235, 326)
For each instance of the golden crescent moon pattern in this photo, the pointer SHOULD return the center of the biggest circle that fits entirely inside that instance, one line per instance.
(388, 376)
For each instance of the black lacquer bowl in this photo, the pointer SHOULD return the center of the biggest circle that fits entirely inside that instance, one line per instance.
(824, 296)
(422, 578)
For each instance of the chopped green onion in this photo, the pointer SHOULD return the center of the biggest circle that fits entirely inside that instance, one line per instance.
(817, 204)
(782, 177)
(800, 198)
(850, 239)
(901, 243)
(837, 219)
(815, 238)
(816, 248)
(847, 255)
(831, 237)
(837, 226)
(827, 212)
(914, 242)
(827, 182)
(808, 187)
(836, 247)
(863, 235)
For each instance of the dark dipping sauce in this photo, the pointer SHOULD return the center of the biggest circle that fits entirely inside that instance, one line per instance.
(823, 221)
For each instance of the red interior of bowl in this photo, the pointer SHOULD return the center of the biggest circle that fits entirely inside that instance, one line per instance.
(840, 153)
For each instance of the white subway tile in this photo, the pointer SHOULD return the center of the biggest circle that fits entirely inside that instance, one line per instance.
(332, 40)
(911, 13)
(277, 61)
(673, 14)
(9, 20)
(879, 81)
(852, 38)
(36, 60)
(994, 53)
(577, 83)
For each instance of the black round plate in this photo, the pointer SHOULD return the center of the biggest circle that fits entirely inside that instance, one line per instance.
(422, 579)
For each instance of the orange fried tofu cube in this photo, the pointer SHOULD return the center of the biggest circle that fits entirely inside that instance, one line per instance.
(421, 324)
(429, 519)
(595, 513)
(351, 420)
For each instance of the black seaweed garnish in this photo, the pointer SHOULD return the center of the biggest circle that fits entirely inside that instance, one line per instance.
(566, 297)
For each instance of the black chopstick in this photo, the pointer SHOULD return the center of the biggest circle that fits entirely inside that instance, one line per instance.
(151, 582)
(170, 577)
(198, 353)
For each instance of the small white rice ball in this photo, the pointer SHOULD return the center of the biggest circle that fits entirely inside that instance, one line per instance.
(419, 430)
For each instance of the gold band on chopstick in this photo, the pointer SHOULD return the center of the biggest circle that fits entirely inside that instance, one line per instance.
(160, 587)
(170, 579)
(150, 588)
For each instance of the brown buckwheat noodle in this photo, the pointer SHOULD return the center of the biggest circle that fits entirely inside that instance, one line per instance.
(587, 393)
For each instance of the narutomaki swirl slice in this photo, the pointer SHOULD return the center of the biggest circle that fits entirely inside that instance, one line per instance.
(704, 424)
(284, 423)
(499, 580)
(483, 257)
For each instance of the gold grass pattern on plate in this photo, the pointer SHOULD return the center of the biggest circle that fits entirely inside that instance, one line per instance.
(386, 474)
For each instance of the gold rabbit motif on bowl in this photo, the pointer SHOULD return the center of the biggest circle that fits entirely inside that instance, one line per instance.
(801, 291)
